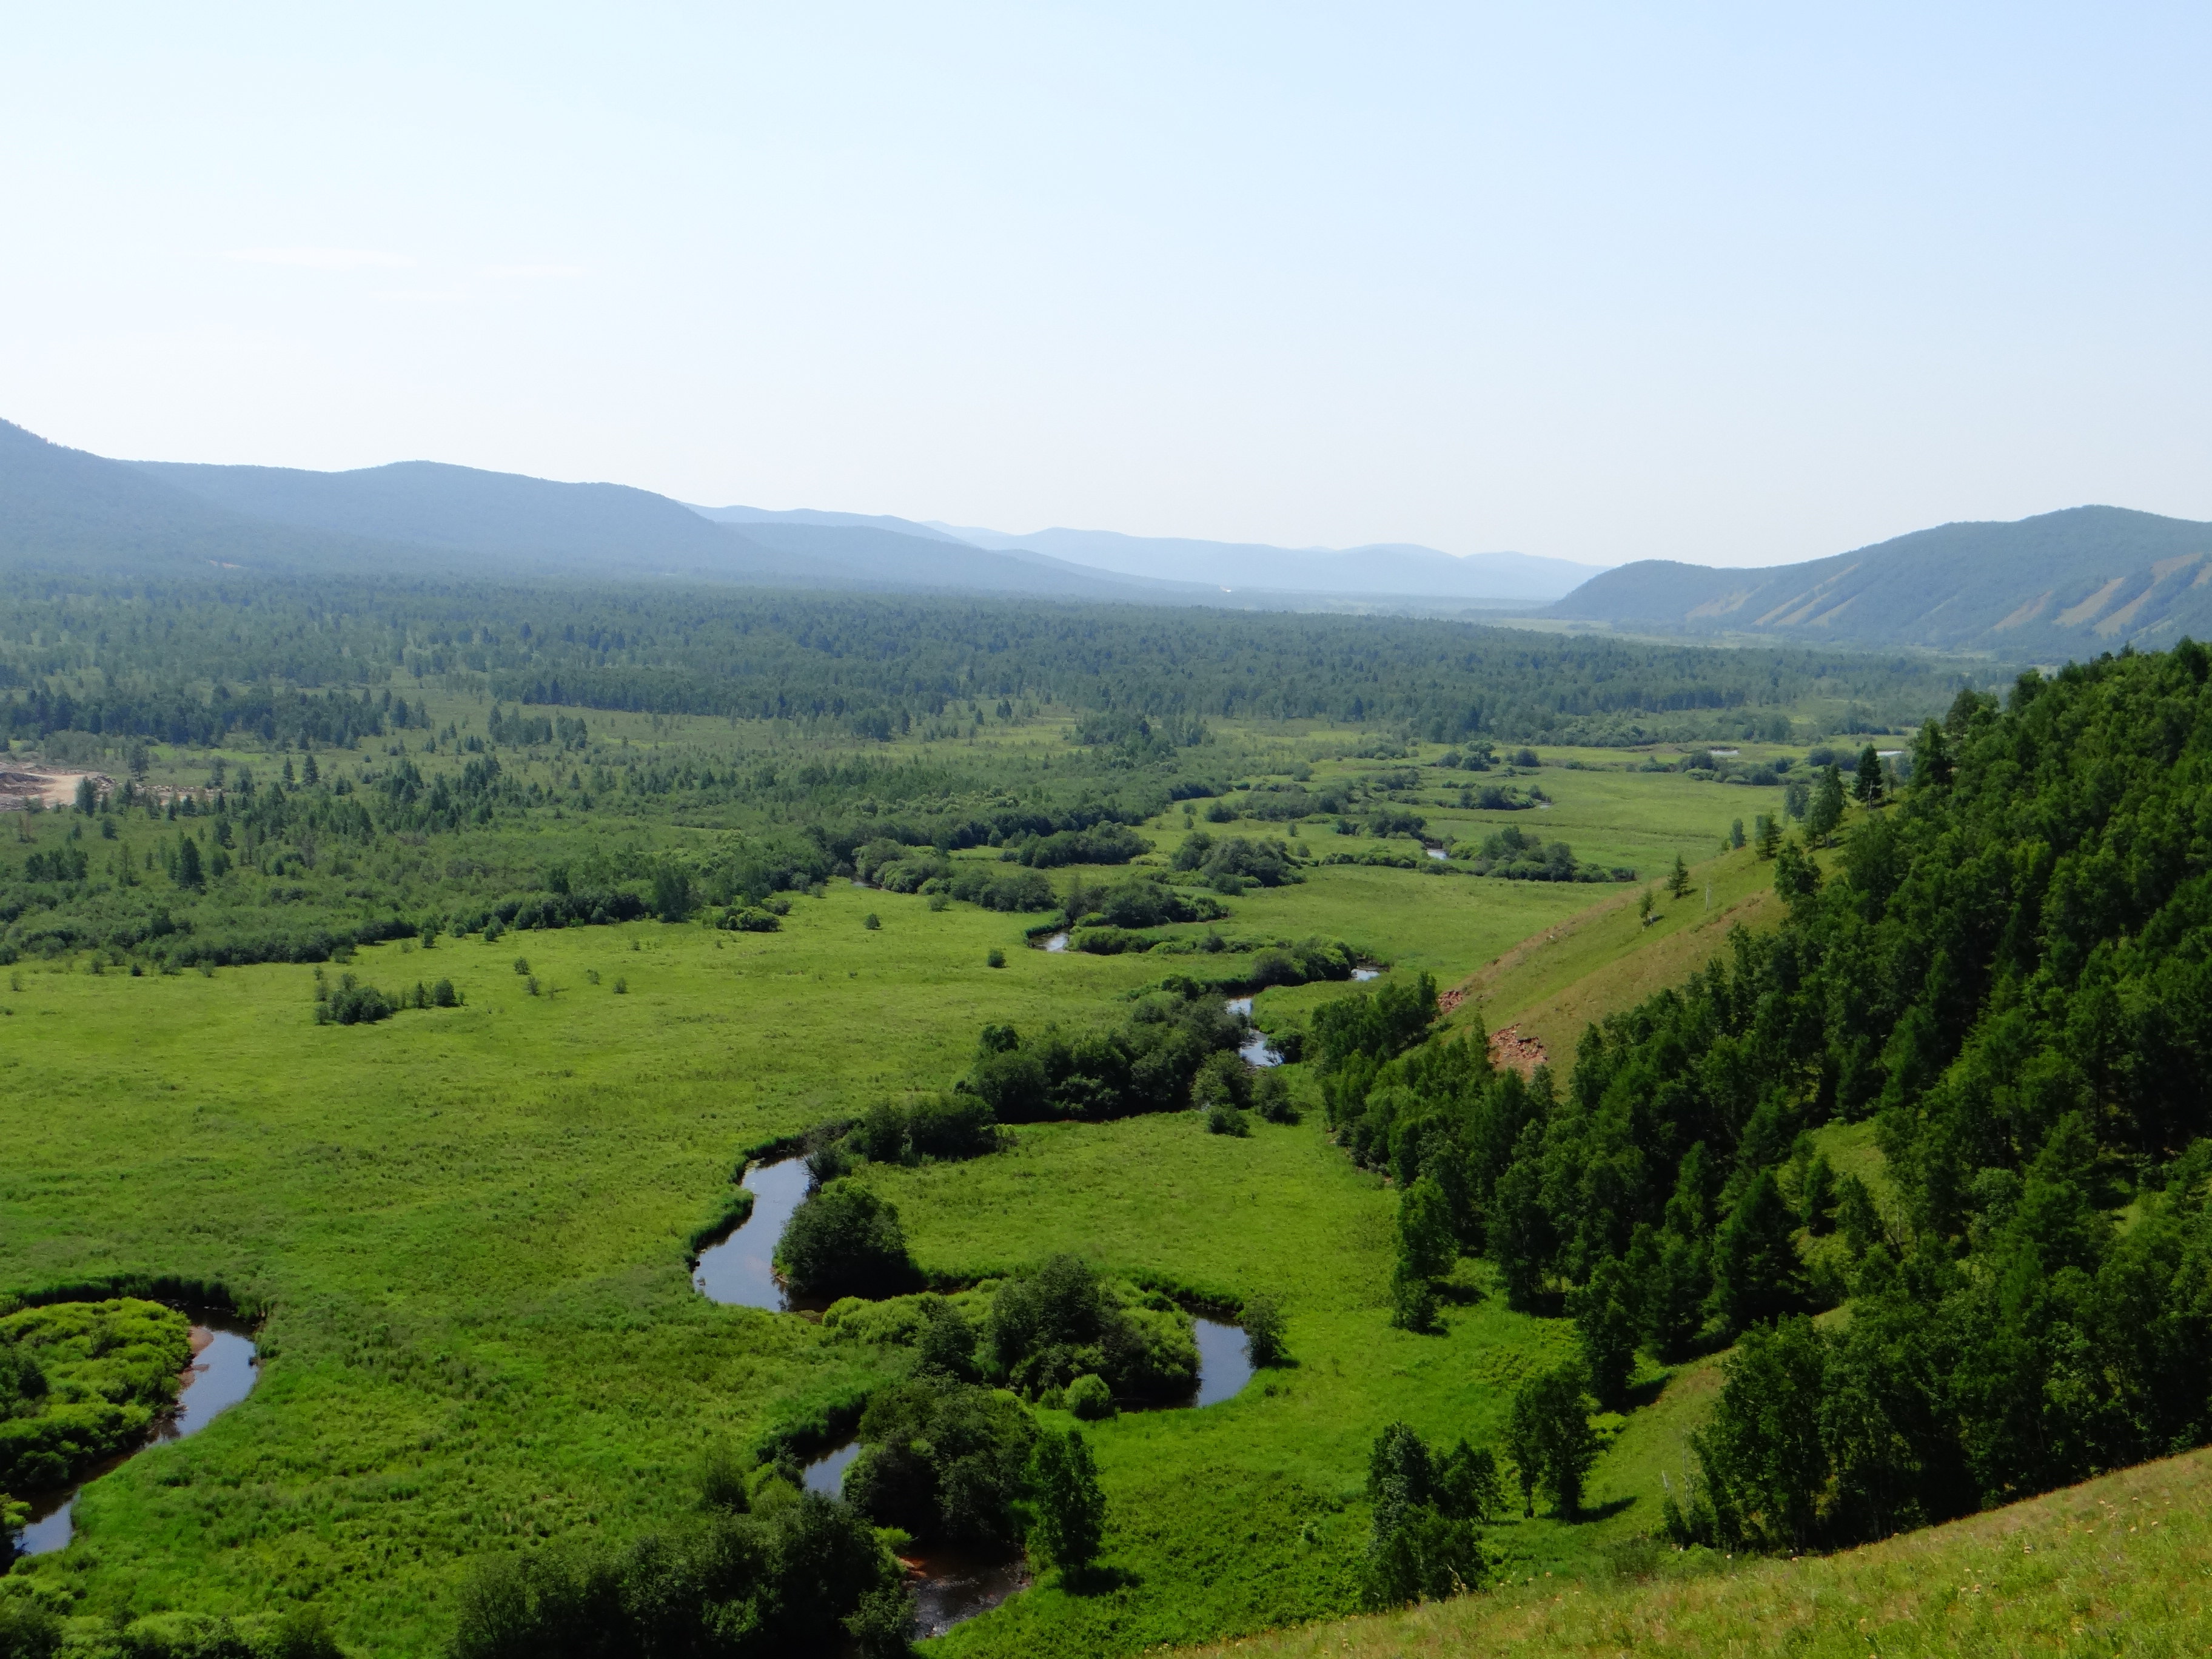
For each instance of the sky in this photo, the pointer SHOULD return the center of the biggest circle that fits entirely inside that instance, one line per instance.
(1738, 284)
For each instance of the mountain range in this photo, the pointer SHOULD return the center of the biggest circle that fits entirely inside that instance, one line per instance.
(65, 507)
(2061, 585)
(2057, 586)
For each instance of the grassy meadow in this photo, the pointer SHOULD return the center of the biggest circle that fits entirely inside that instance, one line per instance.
(467, 1228)
(2119, 1564)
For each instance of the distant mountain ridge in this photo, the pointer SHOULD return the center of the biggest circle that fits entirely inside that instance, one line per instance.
(65, 508)
(1401, 570)
(2065, 584)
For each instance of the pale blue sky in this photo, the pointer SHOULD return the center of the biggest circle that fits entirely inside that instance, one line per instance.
(1734, 284)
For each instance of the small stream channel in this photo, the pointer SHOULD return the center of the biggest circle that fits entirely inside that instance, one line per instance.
(1257, 1049)
(740, 1267)
(225, 1366)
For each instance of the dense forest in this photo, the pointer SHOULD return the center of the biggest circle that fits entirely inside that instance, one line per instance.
(2002, 973)
(184, 662)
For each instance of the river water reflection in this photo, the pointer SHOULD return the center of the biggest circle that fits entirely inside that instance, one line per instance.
(740, 1267)
(224, 1368)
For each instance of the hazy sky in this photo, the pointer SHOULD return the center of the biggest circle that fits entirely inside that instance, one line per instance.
(1734, 284)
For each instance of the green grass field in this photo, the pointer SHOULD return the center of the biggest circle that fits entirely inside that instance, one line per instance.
(2121, 1565)
(468, 1229)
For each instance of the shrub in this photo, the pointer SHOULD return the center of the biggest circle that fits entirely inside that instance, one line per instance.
(1271, 1097)
(845, 1240)
(994, 957)
(1058, 1320)
(354, 1004)
(799, 1572)
(1223, 1080)
(1089, 1398)
(1223, 1119)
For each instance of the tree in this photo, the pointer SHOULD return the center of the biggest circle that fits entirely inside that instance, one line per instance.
(1797, 877)
(1678, 882)
(1856, 1219)
(844, 1241)
(1757, 1272)
(1426, 1243)
(1606, 1322)
(1826, 810)
(1412, 1299)
(1816, 1195)
(190, 874)
(1866, 782)
(671, 891)
(1222, 1080)
(1768, 835)
(1735, 834)
(1520, 1234)
(1424, 1544)
(1932, 764)
(1549, 1439)
(87, 797)
(1645, 904)
(1262, 1316)
(1761, 1452)
(1071, 1509)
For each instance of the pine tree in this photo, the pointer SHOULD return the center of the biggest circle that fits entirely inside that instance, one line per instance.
(189, 872)
(1678, 884)
(1866, 783)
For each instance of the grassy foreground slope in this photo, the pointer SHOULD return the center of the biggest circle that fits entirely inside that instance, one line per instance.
(2119, 1564)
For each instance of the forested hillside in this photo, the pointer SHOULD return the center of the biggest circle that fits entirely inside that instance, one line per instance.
(2004, 973)
(2061, 585)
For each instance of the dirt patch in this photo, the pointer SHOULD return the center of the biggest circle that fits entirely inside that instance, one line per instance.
(45, 787)
(1509, 1047)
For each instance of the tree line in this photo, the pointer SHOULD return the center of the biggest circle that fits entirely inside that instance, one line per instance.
(875, 667)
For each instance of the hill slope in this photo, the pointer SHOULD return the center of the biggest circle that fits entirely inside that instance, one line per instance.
(2119, 1564)
(2075, 583)
(67, 510)
(64, 509)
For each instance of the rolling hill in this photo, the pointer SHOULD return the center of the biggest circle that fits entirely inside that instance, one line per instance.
(2067, 584)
